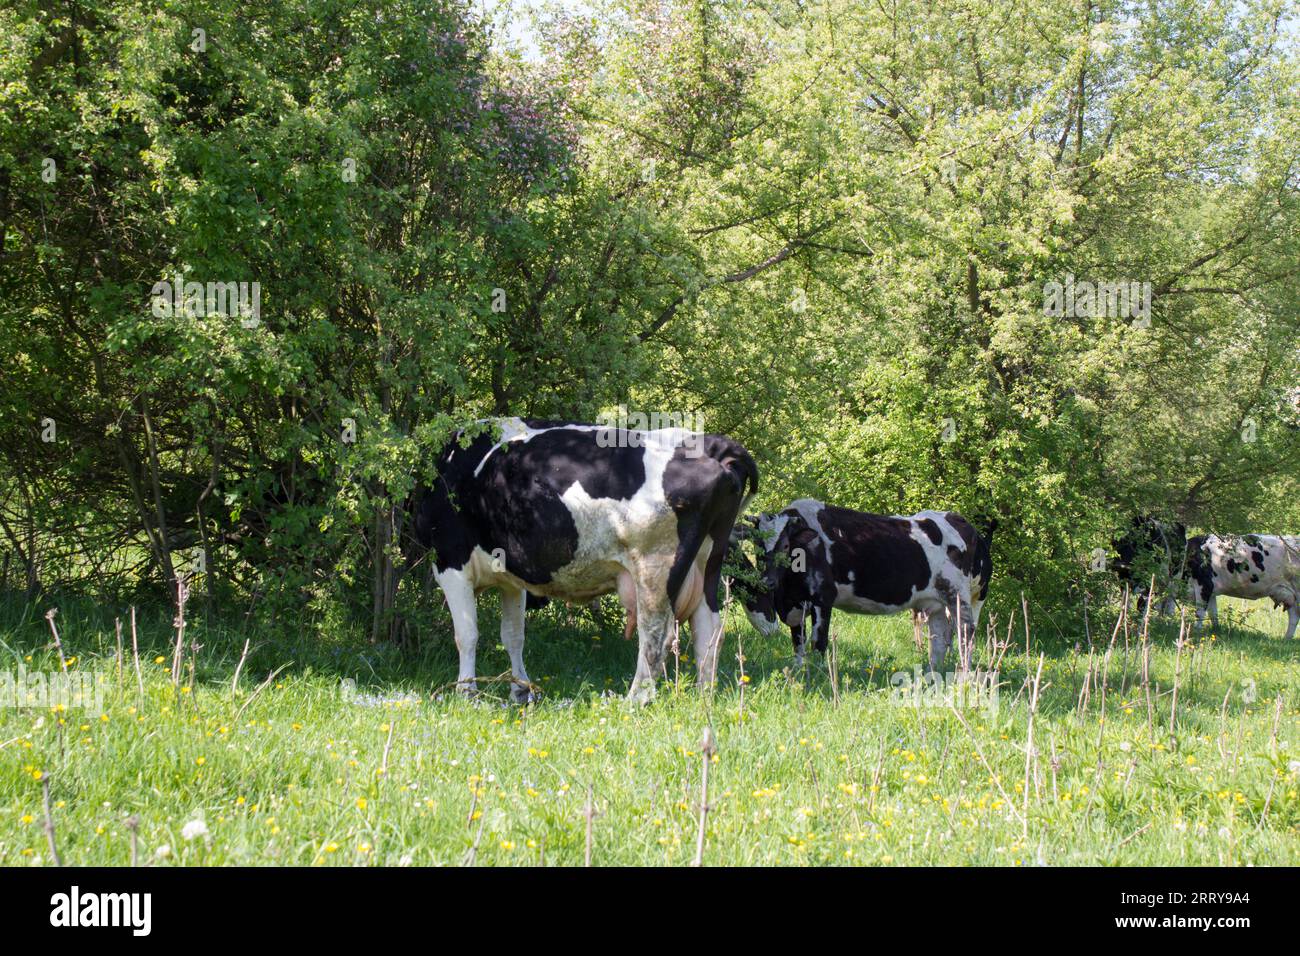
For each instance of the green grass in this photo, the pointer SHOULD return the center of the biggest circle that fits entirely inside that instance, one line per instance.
(294, 775)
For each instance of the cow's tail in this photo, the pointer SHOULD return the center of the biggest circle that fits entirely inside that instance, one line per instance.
(740, 465)
(985, 527)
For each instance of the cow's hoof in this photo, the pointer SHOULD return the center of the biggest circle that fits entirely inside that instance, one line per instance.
(467, 689)
(522, 694)
(642, 693)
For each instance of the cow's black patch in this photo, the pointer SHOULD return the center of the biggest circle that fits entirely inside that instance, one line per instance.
(437, 524)
(513, 506)
(812, 587)
(887, 564)
(1258, 559)
(1149, 546)
(558, 459)
(1198, 566)
(931, 529)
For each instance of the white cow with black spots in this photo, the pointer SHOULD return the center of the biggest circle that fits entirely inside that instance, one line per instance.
(1249, 566)
(817, 557)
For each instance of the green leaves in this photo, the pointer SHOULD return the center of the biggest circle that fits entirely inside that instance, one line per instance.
(829, 227)
(915, 176)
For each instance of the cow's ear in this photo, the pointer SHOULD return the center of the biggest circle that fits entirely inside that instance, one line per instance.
(805, 537)
(802, 538)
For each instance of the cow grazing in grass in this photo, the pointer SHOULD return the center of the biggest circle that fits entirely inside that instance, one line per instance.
(815, 557)
(574, 512)
(1151, 547)
(1247, 566)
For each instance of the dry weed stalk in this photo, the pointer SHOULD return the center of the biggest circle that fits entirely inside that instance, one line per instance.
(707, 750)
(135, 653)
(58, 644)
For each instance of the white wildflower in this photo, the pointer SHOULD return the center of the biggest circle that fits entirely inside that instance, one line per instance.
(194, 829)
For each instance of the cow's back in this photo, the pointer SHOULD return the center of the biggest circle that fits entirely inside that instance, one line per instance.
(887, 563)
(1246, 566)
(562, 508)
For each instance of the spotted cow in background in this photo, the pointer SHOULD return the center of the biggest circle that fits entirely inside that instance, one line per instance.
(1151, 547)
(573, 511)
(1248, 566)
(815, 557)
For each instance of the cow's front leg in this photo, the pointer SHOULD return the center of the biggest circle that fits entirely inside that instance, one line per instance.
(940, 624)
(1292, 617)
(512, 636)
(1213, 607)
(820, 630)
(796, 638)
(459, 593)
(965, 624)
(654, 626)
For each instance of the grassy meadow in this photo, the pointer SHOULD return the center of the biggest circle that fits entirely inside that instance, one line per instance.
(349, 756)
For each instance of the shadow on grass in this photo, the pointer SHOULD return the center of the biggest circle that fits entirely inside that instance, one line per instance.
(572, 657)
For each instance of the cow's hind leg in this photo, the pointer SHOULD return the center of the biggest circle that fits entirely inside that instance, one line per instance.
(654, 627)
(512, 636)
(706, 629)
(696, 594)
(940, 624)
(1292, 617)
(706, 619)
(967, 621)
(459, 594)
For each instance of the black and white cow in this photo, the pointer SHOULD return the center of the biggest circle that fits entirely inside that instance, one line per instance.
(1248, 566)
(576, 511)
(816, 557)
(1151, 547)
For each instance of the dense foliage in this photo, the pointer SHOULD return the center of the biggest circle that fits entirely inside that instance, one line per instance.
(833, 229)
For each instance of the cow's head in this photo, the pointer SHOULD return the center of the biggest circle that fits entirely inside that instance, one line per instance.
(783, 542)
(749, 583)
